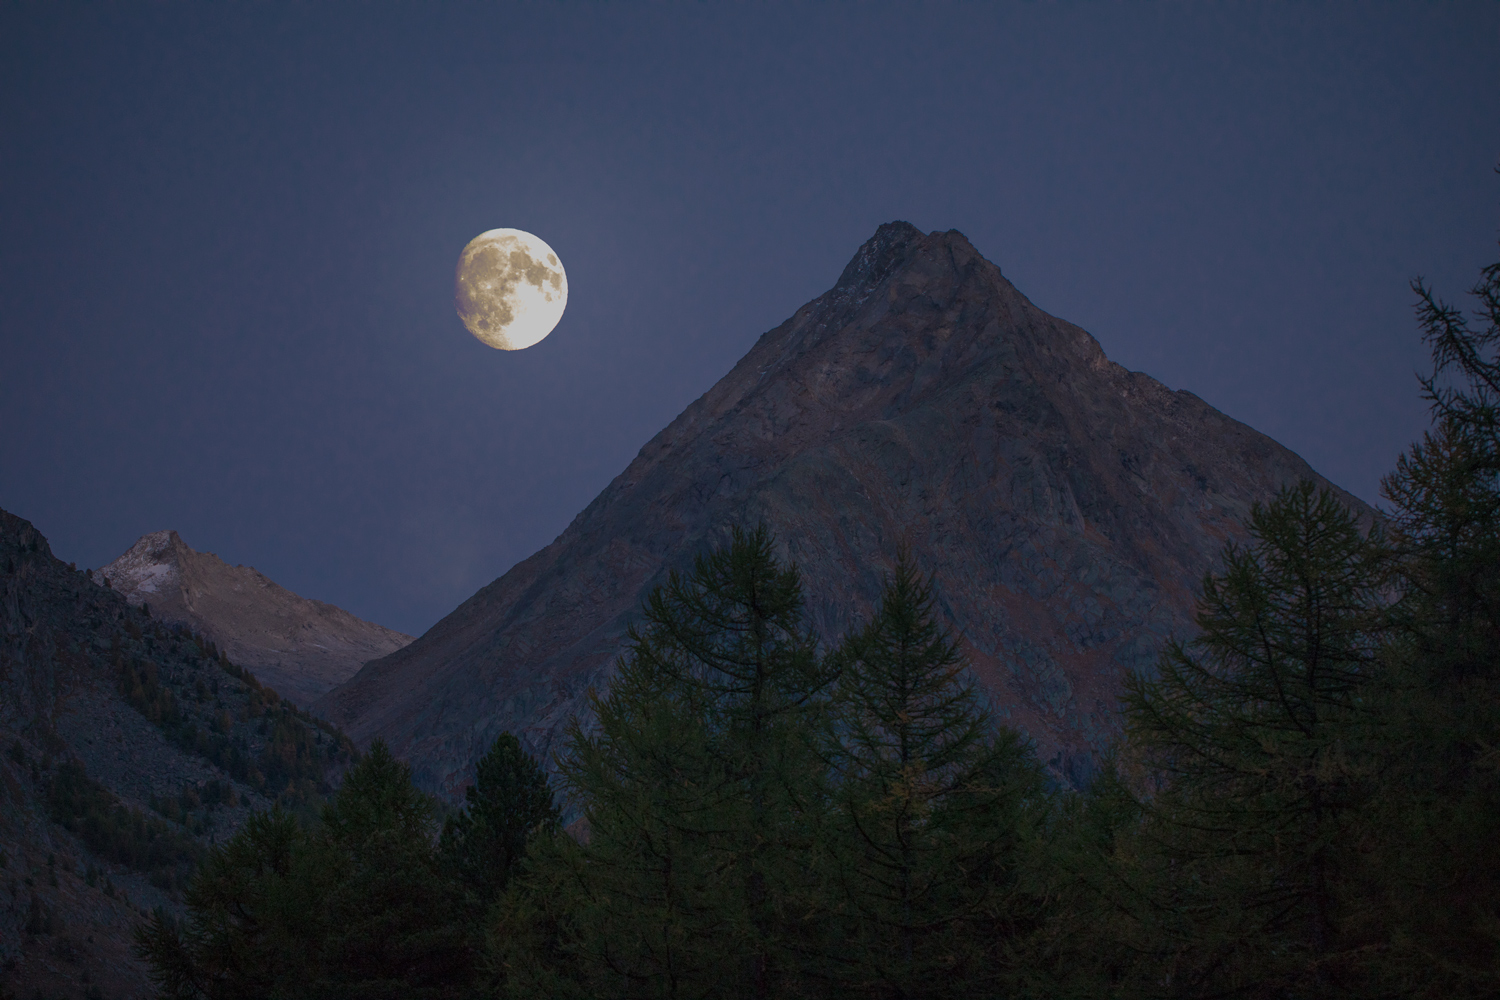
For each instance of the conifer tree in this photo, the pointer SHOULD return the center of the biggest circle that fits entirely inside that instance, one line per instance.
(1434, 872)
(358, 907)
(932, 804)
(1095, 938)
(644, 905)
(509, 802)
(697, 785)
(394, 921)
(253, 925)
(1446, 490)
(1255, 730)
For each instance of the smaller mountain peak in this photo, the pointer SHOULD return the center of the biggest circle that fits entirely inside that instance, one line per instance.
(301, 647)
(154, 562)
(159, 544)
(880, 254)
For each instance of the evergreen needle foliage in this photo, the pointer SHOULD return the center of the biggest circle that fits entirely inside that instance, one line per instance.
(1254, 731)
(362, 905)
(931, 804)
(509, 803)
(1433, 877)
(698, 788)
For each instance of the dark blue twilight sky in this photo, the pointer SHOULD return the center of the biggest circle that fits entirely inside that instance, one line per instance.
(229, 234)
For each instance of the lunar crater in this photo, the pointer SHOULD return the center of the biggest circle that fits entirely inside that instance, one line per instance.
(510, 289)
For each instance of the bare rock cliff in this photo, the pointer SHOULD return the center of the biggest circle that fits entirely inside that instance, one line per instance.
(1068, 507)
(299, 647)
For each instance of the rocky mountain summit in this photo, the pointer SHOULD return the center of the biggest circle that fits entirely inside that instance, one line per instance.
(1068, 507)
(300, 647)
(127, 745)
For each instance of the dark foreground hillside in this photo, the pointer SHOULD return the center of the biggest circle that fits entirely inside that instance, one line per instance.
(126, 748)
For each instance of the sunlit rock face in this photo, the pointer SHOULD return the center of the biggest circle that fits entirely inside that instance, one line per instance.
(1068, 507)
(299, 647)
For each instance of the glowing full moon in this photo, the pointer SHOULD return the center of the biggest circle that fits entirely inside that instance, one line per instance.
(511, 289)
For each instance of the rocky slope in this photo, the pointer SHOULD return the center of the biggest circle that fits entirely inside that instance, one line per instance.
(300, 647)
(126, 747)
(1068, 507)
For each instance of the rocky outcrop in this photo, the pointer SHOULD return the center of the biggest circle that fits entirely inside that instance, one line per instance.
(1068, 507)
(300, 647)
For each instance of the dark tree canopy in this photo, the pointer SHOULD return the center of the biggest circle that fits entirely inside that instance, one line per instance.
(1254, 733)
(509, 802)
(930, 800)
(359, 905)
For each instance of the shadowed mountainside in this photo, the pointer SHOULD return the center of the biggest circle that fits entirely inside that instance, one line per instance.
(1068, 508)
(126, 747)
(300, 647)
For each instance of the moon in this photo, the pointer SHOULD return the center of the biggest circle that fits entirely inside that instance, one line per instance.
(511, 289)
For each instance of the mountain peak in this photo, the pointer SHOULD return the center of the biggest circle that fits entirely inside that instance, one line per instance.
(897, 245)
(300, 647)
(1067, 507)
(879, 255)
